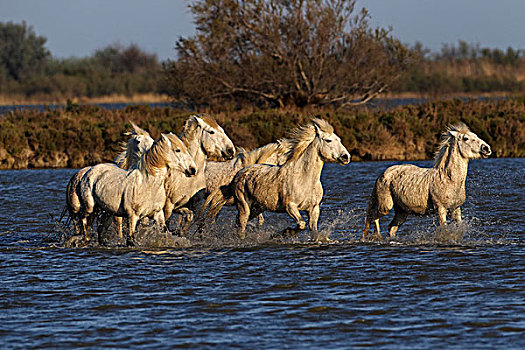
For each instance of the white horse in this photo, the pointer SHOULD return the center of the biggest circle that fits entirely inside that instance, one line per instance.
(292, 187)
(138, 192)
(413, 190)
(139, 142)
(204, 139)
(220, 174)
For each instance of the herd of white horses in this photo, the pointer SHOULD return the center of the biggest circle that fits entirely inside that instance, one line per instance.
(201, 171)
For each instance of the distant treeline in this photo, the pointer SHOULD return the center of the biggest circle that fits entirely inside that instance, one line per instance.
(28, 70)
(465, 68)
(79, 136)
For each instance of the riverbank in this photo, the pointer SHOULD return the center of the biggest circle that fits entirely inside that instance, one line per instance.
(84, 135)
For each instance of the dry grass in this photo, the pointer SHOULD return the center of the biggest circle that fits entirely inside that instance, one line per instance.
(114, 98)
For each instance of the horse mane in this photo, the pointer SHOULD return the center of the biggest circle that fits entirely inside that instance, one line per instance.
(300, 138)
(156, 157)
(261, 154)
(131, 156)
(208, 119)
(444, 146)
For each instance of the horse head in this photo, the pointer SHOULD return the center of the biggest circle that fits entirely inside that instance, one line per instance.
(179, 158)
(138, 144)
(214, 141)
(331, 148)
(469, 144)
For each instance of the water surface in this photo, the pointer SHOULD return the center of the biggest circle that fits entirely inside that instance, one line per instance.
(412, 292)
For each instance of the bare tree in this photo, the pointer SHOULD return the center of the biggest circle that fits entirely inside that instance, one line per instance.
(285, 52)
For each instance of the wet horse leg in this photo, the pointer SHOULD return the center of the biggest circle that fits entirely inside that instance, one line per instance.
(293, 211)
(398, 220)
(442, 215)
(456, 215)
(376, 226)
(260, 219)
(243, 214)
(132, 223)
(313, 218)
(186, 218)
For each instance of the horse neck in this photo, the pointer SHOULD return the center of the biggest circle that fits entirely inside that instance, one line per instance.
(455, 166)
(308, 166)
(193, 142)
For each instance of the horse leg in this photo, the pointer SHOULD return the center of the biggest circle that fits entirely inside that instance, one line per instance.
(160, 220)
(168, 209)
(186, 219)
(442, 215)
(369, 218)
(398, 220)
(293, 211)
(313, 218)
(373, 212)
(260, 220)
(118, 222)
(456, 215)
(243, 214)
(132, 223)
(104, 223)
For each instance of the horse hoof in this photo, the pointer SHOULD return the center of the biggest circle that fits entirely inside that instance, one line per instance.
(130, 242)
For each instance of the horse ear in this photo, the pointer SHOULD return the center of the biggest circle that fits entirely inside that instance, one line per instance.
(454, 133)
(316, 127)
(199, 120)
(138, 130)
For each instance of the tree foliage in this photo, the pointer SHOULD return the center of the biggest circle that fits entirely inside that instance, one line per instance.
(283, 52)
(22, 52)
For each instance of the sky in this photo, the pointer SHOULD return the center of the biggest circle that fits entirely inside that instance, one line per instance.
(80, 27)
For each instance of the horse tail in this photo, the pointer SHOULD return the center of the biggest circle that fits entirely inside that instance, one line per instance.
(63, 215)
(215, 201)
(380, 201)
(372, 211)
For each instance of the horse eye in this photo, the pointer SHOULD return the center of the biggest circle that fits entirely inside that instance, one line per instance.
(212, 132)
(465, 138)
(328, 140)
(178, 150)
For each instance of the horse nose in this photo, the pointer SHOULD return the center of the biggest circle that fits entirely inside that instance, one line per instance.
(191, 172)
(485, 149)
(344, 158)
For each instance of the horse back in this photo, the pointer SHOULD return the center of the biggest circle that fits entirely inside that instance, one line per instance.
(260, 184)
(105, 184)
(408, 186)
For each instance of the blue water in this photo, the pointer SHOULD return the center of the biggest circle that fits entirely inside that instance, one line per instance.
(412, 292)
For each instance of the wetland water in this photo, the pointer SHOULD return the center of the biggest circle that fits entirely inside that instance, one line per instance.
(218, 293)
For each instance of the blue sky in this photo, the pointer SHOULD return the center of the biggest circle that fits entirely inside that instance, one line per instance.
(79, 27)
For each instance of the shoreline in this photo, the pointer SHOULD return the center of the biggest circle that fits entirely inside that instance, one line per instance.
(86, 135)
